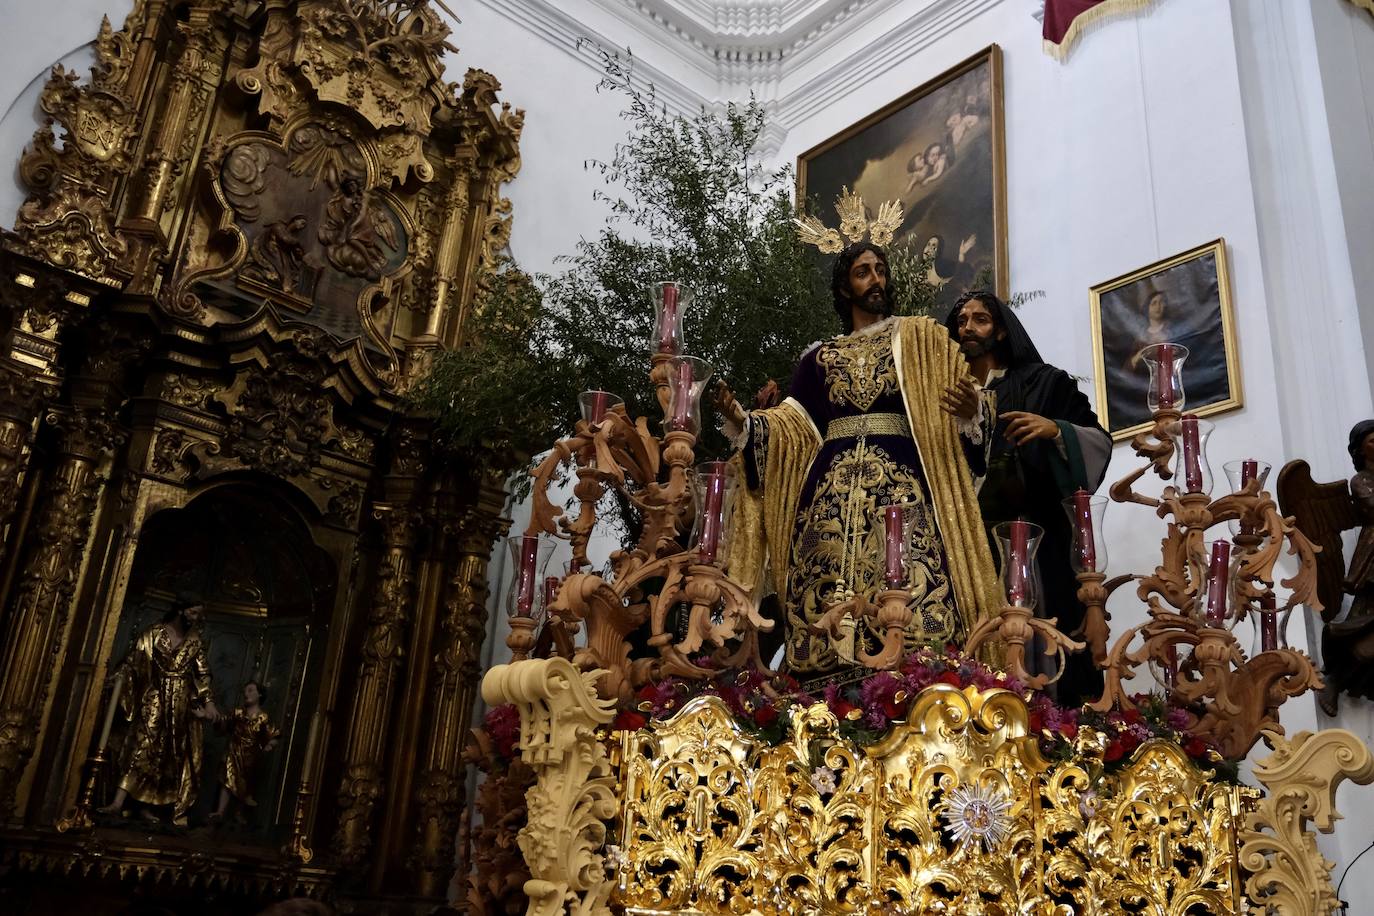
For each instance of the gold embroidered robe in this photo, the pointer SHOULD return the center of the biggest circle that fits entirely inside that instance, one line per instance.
(249, 736)
(863, 429)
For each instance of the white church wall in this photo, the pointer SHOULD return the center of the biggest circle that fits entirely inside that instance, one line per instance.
(1132, 151)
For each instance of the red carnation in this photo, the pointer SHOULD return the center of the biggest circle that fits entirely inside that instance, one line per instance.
(1114, 752)
(1132, 716)
(1195, 747)
(1069, 730)
(1129, 742)
(1037, 722)
(628, 720)
(765, 715)
(950, 677)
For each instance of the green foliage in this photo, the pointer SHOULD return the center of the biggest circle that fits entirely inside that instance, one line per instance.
(500, 399)
(687, 199)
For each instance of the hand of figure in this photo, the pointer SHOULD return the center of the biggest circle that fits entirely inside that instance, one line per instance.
(961, 399)
(770, 395)
(211, 711)
(967, 244)
(728, 405)
(1023, 427)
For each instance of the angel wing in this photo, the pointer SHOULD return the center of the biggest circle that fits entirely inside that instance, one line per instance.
(1322, 511)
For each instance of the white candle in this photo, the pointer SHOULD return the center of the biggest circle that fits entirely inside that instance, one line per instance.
(110, 711)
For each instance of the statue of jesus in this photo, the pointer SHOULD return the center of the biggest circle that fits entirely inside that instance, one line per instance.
(886, 413)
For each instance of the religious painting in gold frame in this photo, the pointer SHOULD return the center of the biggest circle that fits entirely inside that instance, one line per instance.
(941, 150)
(1184, 299)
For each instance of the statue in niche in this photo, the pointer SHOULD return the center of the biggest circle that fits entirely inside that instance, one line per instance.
(351, 229)
(251, 735)
(1323, 511)
(165, 695)
(277, 253)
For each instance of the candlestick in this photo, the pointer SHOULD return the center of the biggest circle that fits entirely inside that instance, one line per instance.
(682, 403)
(1016, 583)
(110, 711)
(713, 485)
(1218, 578)
(310, 742)
(892, 523)
(529, 548)
(1269, 623)
(1249, 470)
(666, 341)
(1171, 666)
(1083, 522)
(1192, 464)
(1164, 394)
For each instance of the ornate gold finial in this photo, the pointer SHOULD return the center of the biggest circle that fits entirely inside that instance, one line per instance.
(854, 224)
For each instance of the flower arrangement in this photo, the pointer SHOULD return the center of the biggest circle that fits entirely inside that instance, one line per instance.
(868, 706)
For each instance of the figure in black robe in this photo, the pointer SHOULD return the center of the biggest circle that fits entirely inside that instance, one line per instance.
(1030, 481)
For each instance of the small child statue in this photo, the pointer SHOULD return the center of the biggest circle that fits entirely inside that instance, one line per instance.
(251, 734)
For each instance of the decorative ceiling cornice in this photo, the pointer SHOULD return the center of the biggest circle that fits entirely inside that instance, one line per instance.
(707, 53)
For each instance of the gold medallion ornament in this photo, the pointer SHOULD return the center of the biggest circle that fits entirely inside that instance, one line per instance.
(854, 224)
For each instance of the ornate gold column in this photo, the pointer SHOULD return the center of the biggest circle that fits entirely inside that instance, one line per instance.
(452, 689)
(21, 396)
(378, 676)
(44, 593)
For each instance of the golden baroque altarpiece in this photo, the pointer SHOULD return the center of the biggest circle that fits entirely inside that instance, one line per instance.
(246, 235)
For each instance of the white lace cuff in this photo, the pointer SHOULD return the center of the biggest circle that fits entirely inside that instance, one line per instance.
(972, 430)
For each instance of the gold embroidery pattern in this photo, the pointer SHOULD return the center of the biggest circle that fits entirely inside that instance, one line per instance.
(859, 368)
(867, 424)
(840, 539)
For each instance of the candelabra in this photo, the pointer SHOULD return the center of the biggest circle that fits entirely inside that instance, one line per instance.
(1197, 595)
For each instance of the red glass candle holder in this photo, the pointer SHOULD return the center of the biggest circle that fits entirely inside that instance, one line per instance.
(529, 554)
(1192, 473)
(596, 404)
(670, 300)
(1088, 549)
(713, 491)
(687, 378)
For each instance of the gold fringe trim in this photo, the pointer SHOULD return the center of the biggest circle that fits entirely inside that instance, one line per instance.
(929, 361)
(1089, 17)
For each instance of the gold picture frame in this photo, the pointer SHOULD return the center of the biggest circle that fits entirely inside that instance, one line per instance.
(1183, 299)
(957, 197)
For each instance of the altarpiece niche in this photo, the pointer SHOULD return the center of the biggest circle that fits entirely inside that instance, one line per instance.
(246, 235)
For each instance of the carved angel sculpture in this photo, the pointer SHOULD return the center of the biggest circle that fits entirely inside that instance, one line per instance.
(1323, 511)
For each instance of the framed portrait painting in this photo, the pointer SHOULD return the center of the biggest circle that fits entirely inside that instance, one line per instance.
(1185, 299)
(940, 150)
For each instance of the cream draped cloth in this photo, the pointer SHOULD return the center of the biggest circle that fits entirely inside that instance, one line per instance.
(927, 362)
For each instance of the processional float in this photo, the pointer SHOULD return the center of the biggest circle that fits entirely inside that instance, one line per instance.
(667, 770)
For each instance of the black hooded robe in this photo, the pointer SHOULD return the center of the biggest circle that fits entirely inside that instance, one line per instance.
(1032, 481)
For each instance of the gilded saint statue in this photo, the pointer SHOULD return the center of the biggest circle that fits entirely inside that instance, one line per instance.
(165, 697)
(251, 735)
(884, 414)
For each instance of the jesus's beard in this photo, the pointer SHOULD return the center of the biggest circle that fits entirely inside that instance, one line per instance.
(975, 346)
(877, 302)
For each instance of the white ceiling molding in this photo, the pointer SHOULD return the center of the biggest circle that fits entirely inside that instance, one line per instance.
(708, 53)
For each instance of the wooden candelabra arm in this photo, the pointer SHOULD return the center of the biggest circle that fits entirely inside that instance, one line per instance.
(1014, 627)
(1093, 592)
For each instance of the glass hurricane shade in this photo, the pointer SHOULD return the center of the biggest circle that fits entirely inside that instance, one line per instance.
(1165, 364)
(1088, 549)
(670, 299)
(899, 521)
(1017, 543)
(1192, 473)
(687, 378)
(1270, 626)
(1239, 474)
(596, 404)
(1218, 592)
(529, 554)
(713, 492)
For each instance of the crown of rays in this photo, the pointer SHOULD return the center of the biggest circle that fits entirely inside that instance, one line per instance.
(854, 224)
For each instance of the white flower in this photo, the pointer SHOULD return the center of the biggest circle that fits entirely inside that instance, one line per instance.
(823, 780)
(977, 814)
(1088, 803)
